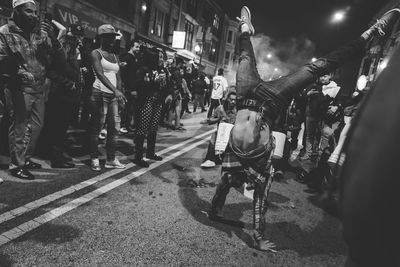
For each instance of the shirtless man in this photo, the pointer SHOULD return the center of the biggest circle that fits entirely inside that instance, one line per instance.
(260, 102)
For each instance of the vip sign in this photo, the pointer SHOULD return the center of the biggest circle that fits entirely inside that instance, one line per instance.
(178, 39)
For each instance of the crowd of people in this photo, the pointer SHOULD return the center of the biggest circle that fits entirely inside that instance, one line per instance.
(54, 77)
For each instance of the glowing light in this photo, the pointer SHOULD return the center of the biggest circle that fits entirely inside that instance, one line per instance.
(276, 69)
(313, 59)
(144, 7)
(197, 48)
(340, 15)
(269, 56)
(362, 82)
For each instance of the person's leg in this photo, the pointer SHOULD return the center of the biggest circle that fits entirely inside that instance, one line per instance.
(247, 77)
(96, 123)
(16, 108)
(142, 130)
(214, 104)
(113, 125)
(35, 123)
(152, 136)
(195, 102)
(201, 102)
(178, 109)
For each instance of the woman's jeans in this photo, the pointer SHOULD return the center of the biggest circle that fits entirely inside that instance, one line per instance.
(104, 110)
(276, 95)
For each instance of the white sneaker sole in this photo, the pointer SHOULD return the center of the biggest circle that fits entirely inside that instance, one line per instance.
(114, 167)
(249, 22)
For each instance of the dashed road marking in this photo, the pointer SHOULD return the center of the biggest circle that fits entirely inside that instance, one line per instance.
(57, 212)
(9, 215)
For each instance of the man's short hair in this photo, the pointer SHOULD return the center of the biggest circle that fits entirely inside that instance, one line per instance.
(220, 71)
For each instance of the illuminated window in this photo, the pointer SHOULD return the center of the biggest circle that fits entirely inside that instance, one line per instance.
(158, 22)
(189, 29)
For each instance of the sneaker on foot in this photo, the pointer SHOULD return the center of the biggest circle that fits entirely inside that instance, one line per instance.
(103, 134)
(245, 20)
(383, 25)
(95, 165)
(114, 164)
(1, 180)
(141, 163)
(208, 164)
(154, 157)
(123, 130)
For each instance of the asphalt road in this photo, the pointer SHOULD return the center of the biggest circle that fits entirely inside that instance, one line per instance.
(142, 217)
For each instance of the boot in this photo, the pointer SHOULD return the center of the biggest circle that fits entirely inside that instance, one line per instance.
(151, 146)
(139, 140)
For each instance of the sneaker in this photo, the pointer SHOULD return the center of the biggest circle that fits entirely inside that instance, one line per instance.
(95, 165)
(22, 173)
(123, 130)
(103, 134)
(383, 25)
(154, 157)
(141, 163)
(245, 19)
(1, 180)
(208, 164)
(114, 164)
(30, 165)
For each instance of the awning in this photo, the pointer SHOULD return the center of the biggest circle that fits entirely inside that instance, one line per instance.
(186, 54)
(190, 18)
(151, 42)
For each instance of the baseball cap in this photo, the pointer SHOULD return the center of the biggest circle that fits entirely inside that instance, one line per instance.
(76, 29)
(16, 3)
(106, 29)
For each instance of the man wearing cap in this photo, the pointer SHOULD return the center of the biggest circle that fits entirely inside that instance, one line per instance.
(25, 53)
(64, 97)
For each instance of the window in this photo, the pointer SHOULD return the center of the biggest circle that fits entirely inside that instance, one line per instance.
(189, 29)
(158, 22)
(230, 34)
(216, 22)
(213, 51)
(227, 58)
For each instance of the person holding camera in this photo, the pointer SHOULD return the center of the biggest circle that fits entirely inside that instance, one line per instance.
(26, 51)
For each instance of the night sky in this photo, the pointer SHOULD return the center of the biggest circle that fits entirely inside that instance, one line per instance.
(310, 19)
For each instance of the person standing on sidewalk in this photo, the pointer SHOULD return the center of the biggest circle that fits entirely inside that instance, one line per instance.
(25, 55)
(104, 100)
(199, 90)
(220, 86)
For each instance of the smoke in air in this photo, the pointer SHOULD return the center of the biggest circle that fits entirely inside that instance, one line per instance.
(277, 58)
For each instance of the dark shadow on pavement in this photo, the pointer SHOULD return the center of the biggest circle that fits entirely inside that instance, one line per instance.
(51, 234)
(196, 207)
(5, 260)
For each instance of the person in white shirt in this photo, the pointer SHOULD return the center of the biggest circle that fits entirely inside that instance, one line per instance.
(220, 86)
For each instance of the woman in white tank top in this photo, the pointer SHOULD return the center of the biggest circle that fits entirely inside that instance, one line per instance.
(105, 97)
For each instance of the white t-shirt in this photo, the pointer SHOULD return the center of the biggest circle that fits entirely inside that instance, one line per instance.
(220, 85)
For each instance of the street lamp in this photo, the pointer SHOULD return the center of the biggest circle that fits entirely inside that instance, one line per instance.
(144, 7)
(197, 48)
(339, 15)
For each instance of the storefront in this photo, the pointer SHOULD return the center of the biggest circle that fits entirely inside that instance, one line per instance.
(70, 12)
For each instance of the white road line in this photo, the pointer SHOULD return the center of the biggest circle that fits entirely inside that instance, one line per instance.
(57, 212)
(9, 215)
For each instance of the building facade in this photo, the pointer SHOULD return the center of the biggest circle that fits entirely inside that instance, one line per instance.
(207, 34)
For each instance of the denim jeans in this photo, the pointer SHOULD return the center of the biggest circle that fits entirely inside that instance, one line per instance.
(276, 95)
(26, 112)
(104, 110)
